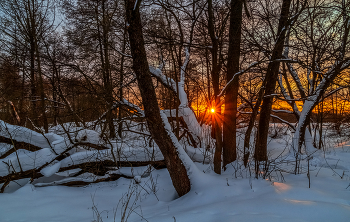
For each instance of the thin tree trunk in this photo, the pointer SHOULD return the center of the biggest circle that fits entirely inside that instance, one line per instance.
(120, 123)
(54, 97)
(33, 95)
(42, 94)
(109, 84)
(252, 122)
(41, 81)
(103, 51)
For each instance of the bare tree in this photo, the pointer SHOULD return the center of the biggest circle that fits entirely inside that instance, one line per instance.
(176, 167)
(324, 59)
(216, 34)
(26, 22)
(270, 84)
(91, 28)
(230, 114)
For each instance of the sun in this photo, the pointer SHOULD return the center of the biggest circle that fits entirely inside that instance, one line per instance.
(212, 110)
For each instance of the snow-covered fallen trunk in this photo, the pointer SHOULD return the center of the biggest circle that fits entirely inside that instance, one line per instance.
(24, 163)
(22, 134)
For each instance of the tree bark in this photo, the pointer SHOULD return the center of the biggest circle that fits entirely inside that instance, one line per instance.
(230, 113)
(215, 76)
(121, 77)
(105, 63)
(271, 77)
(177, 170)
(42, 92)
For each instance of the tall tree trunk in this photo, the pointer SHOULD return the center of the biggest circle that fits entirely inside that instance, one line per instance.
(34, 34)
(251, 123)
(215, 75)
(54, 97)
(271, 77)
(33, 95)
(155, 123)
(42, 92)
(109, 84)
(121, 77)
(105, 65)
(230, 113)
(22, 114)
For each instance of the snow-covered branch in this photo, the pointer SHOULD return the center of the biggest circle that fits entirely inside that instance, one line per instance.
(181, 85)
(166, 81)
(129, 104)
(281, 111)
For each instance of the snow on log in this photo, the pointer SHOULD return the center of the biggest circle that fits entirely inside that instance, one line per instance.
(22, 134)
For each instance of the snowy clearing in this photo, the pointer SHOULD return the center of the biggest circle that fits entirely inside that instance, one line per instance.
(232, 196)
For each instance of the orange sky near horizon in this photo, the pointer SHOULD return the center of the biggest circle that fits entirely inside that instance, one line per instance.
(342, 106)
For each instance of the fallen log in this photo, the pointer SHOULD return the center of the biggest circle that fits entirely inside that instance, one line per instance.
(91, 145)
(77, 182)
(99, 168)
(16, 146)
(30, 147)
(17, 176)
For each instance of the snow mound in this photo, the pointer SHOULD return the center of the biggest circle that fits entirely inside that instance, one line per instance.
(89, 136)
(51, 170)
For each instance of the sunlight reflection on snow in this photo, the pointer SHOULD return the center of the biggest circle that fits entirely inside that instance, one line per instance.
(343, 144)
(281, 187)
(299, 201)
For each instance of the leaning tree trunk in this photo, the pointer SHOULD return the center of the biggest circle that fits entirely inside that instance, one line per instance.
(309, 105)
(271, 77)
(177, 170)
(230, 114)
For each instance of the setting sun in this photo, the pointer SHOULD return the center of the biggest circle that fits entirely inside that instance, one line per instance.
(212, 110)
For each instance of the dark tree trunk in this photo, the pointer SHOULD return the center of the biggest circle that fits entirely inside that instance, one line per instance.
(229, 123)
(102, 34)
(42, 92)
(33, 93)
(271, 77)
(252, 119)
(108, 76)
(35, 47)
(121, 77)
(174, 164)
(215, 76)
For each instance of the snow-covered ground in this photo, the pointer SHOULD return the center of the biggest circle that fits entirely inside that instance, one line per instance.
(233, 196)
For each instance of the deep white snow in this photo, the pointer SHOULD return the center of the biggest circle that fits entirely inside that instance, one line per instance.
(233, 196)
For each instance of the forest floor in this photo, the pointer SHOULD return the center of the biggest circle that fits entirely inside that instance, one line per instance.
(235, 195)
